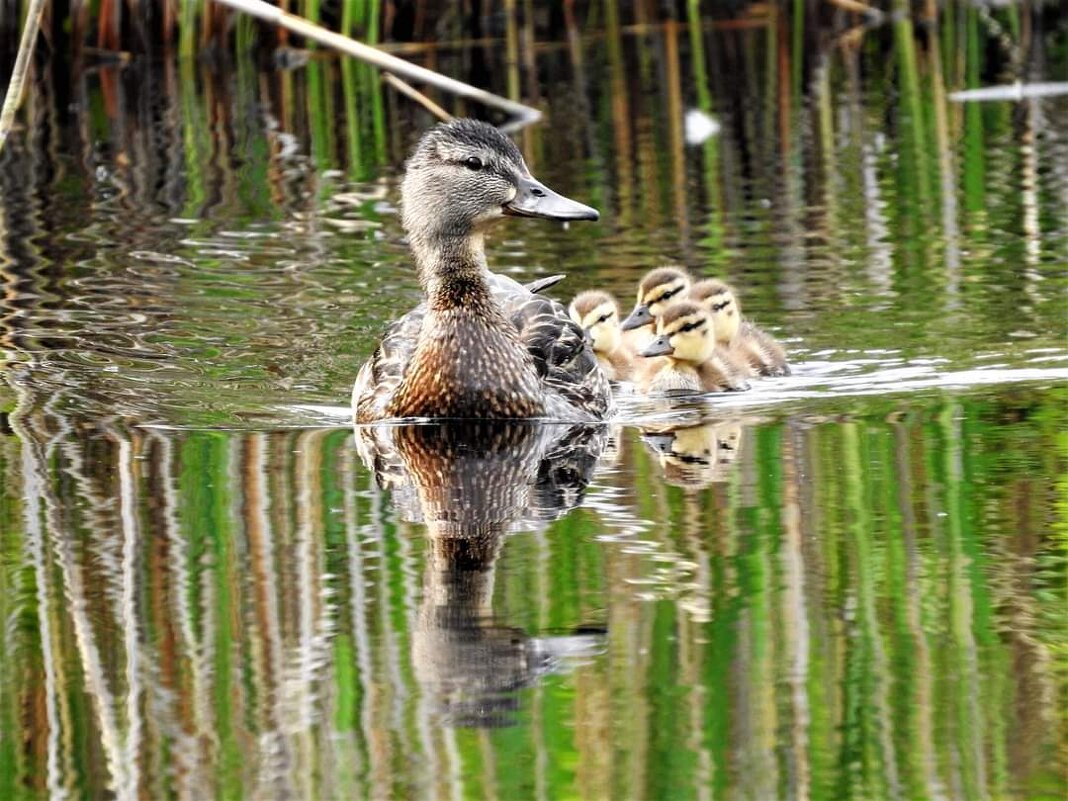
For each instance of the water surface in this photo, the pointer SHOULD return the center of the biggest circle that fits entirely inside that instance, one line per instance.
(848, 583)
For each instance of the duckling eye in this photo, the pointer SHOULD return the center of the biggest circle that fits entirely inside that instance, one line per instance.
(669, 294)
(720, 306)
(604, 318)
(473, 163)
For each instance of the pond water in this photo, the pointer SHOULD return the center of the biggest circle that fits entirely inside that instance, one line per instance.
(846, 583)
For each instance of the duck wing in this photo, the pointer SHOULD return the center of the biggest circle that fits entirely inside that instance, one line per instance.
(539, 285)
(562, 356)
(382, 373)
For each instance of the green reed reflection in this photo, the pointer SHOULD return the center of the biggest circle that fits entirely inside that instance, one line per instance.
(223, 613)
(858, 593)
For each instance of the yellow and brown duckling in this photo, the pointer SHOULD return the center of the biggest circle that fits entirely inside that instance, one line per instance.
(755, 348)
(656, 291)
(598, 314)
(684, 355)
(482, 345)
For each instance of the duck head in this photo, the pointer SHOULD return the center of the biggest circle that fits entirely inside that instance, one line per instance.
(598, 315)
(656, 290)
(718, 298)
(464, 175)
(685, 334)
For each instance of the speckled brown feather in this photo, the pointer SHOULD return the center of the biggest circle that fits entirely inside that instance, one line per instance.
(537, 335)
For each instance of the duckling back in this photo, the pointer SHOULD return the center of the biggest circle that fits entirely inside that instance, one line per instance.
(764, 354)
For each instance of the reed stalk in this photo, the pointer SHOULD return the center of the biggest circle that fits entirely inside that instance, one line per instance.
(412, 93)
(17, 84)
(187, 29)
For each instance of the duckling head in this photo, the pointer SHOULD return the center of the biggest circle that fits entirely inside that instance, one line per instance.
(685, 334)
(655, 292)
(718, 297)
(598, 315)
(465, 175)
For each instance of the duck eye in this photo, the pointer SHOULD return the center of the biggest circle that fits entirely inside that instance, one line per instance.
(473, 163)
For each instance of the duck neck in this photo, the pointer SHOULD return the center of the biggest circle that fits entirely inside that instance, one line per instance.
(453, 270)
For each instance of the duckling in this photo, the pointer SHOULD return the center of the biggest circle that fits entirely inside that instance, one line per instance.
(756, 348)
(691, 360)
(656, 290)
(598, 314)
(482, 345)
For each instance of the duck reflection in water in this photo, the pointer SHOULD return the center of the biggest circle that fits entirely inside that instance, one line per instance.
(471, 483)
(696, 456)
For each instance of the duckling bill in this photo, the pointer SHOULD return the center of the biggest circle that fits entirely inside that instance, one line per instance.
(656, 291)
(481, 346)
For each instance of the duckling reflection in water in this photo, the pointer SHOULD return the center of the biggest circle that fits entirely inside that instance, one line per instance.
(685, 356)
(598, 314)
(482, 346)
(656, 291)
(696, 456)
(755, 348)
(471, 483)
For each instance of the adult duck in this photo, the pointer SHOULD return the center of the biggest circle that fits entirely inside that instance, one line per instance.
(481, 345)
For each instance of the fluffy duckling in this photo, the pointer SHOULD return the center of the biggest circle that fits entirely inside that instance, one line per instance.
(658, 289)
(598, 314)
(757, 349)
(689, 359)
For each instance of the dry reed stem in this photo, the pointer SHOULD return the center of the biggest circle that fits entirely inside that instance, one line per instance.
(410, 91)
(21, 69)
(522, 114)
(857, 7)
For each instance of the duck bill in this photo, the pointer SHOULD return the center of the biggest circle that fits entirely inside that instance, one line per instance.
(535, 199)
(637, 318)
(658, 347)
(660, 442)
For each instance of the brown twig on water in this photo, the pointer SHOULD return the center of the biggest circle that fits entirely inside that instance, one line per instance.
(857, 8)
(522, 114)
(17, 83)
(410, 91)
